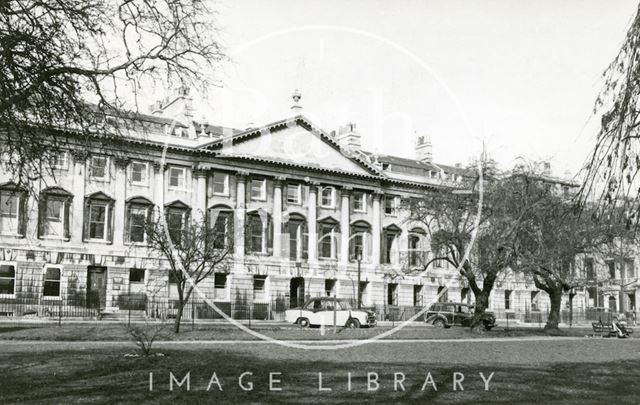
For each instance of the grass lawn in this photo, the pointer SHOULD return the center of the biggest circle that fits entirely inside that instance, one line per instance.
(104, 375)
(117, 332)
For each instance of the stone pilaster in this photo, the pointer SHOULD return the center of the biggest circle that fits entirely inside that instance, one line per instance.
(312, 221)
(344, 225)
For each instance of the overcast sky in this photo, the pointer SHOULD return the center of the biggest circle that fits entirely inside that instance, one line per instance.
(521, 76)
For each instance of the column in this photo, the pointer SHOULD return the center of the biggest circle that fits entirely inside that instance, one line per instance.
(344, 225)
(200, 202)
(277, 216)
(158, 173)
(239, 217)
(376, 229)
(312, 222)
(77, 216)
(120, 197)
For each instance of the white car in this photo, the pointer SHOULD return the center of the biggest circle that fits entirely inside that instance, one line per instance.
(320, 311)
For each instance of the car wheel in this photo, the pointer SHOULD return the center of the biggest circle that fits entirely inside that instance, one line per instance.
(303, 322)
(353, 323)
(439, 323)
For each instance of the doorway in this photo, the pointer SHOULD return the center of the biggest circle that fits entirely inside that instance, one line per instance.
(296, 292)
(96, 287)
(613, 307)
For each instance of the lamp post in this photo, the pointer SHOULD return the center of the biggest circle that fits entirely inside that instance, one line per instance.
(359, 259)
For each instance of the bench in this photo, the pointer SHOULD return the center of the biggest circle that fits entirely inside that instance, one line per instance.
(606, 329)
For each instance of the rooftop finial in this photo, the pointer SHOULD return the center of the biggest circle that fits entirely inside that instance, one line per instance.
(296, 108)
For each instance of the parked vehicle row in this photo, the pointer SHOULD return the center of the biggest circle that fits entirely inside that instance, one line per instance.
(329, 311)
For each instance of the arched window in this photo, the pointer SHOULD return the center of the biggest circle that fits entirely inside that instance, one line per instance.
(138, 213)
(328, 238)
(295, 230)
(258, 235)
(98, 218)
(13, 213)
(53, 213)
(220, 219)
(390, 235)
(359, 240)
(177, 217)
(416, 247)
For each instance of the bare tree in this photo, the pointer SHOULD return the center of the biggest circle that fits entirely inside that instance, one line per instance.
(452, 219)
(193, 250)
(555, 234)
(71, 70)
(611, 172)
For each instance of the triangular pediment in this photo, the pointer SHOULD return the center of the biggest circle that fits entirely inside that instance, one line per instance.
(294, 141)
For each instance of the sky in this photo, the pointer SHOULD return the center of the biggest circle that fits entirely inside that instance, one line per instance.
(518, 77)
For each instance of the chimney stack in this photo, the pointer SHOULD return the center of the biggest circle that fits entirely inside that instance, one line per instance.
(424, 149)
(348, 137)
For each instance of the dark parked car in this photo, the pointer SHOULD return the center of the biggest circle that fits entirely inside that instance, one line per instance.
(447, 314)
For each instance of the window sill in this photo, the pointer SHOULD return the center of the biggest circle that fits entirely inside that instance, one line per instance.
(221, 194)
(258, 199)
(51, 298)
(97, 241)
(53, 237)
(137, 244)
(145, 185)
(328, 259)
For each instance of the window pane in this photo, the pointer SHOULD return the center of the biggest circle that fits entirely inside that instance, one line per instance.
(257, 188)
(98, 166)
(97, 214)
(51, 288)
(54, 210)
(9, 204)
(6, 285)
(136, 275)
(136, 224)
(138, 172)
(176, 177)
(220, 183)
(7, 271)
(52, 274)
(293, 194)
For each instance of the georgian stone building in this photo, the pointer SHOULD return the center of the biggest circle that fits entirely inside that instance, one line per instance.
(298, 202)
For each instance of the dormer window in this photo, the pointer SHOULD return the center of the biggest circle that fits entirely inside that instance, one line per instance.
(328, 197)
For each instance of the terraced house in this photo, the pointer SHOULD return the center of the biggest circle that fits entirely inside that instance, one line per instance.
(307, 212)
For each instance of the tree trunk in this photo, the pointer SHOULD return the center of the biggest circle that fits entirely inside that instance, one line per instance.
(555, 295)
(178, 317)
(481, 305)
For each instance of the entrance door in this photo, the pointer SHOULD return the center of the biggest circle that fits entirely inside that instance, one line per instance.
(296, 292)
(613, 307)
(96, 287)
